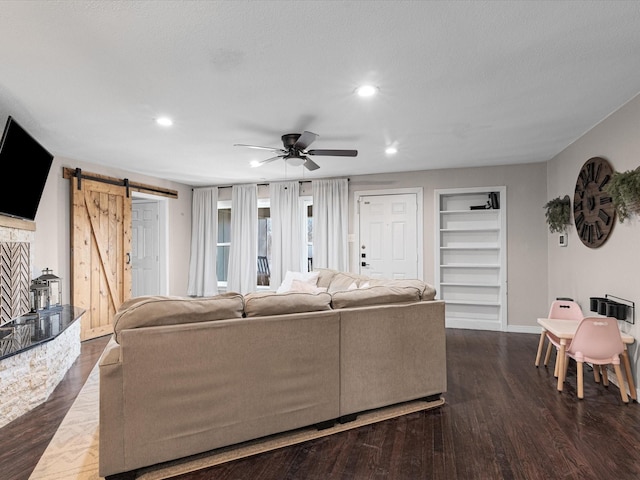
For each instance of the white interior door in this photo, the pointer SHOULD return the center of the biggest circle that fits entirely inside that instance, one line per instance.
(145, 261)
(388, 230)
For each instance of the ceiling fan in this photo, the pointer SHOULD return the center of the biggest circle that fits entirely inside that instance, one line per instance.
(295, 150)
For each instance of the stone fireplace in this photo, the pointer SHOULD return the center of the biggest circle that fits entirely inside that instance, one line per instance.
(16, 245)
(39, 350)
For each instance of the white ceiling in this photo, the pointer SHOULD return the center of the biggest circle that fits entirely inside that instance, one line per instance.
(462, 83)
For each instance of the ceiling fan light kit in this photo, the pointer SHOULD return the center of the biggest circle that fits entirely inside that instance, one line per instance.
(294, 161)
(295, 151)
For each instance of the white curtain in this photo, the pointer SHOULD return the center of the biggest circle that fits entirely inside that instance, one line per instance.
(243, 253)
(288, 243)
(331, 223)
(204, 239)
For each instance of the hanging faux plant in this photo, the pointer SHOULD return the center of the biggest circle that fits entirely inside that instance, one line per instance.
(558, 214)
(624, 188)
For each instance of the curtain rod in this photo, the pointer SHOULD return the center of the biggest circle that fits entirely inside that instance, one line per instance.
(263, 184)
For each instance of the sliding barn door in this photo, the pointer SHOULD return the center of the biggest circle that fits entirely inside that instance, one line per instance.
(100, 252)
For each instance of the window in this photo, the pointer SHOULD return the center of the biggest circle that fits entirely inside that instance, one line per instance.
(264, 239)
(264, 242)
(308, 221)
(224, 241)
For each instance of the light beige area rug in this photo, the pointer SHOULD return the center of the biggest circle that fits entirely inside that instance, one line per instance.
(73, 451)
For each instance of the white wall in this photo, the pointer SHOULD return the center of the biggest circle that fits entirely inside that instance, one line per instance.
(526, 228)
(53, 225)
(614, 268)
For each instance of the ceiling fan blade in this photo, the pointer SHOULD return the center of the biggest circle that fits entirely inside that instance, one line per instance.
(271, 149)
(268, 160)
(306, 139)
(310, 164)
(334, 153)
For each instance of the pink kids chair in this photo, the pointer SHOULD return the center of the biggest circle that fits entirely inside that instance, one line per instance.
(597, 340)
(560, 309)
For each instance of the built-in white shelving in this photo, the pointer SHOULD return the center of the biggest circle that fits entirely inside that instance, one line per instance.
(471, 257)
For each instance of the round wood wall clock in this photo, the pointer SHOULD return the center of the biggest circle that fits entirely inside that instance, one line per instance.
(593, 209)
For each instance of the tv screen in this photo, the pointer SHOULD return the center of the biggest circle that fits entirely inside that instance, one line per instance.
(24, 164)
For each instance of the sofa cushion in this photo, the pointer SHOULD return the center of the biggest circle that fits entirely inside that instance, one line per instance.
(427, 292)
(324, 276)
(343, 280)
(259, 304)
(377, 295)
(151, 311)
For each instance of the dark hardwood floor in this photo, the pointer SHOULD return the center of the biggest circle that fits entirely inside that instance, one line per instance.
(503, 419)
(23, 441)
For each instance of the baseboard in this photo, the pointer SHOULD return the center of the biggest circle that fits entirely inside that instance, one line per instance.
(523, 329)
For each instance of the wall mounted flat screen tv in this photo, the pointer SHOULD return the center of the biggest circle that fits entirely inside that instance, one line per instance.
(25, 165)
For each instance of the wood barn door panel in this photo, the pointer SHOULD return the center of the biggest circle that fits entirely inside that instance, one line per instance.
(101, 242)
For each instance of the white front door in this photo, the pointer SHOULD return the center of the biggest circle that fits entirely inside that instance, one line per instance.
(145, 279)
(388, 243)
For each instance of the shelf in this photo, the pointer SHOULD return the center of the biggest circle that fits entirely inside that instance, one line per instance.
(471, 253)
(471, 302)
(11, 222)
(470, 248)
(468, 265)
(492, 229)
(481, 212)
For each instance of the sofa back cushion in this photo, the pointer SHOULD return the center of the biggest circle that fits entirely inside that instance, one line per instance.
(260, 304)
(344, 280)
(152, 311)
(377, 295)
(324, 276)
(427, 292)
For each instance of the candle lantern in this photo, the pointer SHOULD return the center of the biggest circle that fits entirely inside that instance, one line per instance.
(45, 291)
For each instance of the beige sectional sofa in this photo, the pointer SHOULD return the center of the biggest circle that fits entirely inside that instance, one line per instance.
(183, 376)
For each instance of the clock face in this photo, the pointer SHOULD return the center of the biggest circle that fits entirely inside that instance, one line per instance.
(593, 209)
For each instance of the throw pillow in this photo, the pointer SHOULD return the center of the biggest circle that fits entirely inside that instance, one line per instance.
(305, 287)
(307, 277)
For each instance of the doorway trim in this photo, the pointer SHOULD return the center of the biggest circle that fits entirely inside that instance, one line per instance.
(355, 237)
(163, 236)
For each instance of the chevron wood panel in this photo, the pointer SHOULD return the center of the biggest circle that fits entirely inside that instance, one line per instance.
(15, 279)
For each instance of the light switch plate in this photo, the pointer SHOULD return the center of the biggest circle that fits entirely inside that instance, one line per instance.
(562, 239)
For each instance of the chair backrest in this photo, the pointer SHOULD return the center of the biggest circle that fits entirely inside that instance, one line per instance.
(597, 340)
(565, 310)
(263, 266)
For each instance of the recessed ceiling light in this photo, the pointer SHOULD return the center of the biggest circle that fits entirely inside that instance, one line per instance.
(367, 90)
(254, 163)
(164, 121)
(391, 150)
